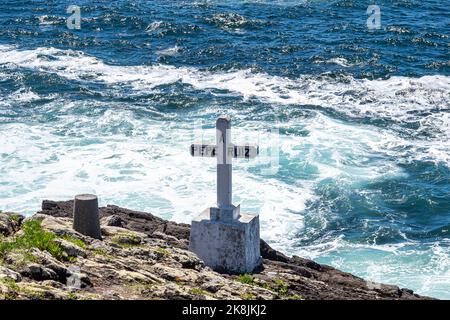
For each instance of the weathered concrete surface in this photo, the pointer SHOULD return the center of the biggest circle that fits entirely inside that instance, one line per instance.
(85, 216)
(289, 276)
(226, 246)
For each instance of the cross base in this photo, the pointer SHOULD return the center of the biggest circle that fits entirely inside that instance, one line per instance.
(231, 246)
(225, 213)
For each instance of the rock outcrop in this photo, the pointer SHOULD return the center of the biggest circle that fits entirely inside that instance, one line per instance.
(145, 257)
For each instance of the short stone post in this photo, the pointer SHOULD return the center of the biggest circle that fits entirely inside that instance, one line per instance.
(86, 219)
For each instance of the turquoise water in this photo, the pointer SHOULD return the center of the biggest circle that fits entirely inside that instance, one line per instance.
(363, 116)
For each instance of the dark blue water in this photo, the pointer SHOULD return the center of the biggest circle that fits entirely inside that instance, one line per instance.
(362, 180)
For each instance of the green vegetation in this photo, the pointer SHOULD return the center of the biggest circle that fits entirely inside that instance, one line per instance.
(34, 294)
(15, 217)
(26, 289)
(10, 283)
(22, 258)
(75, 241)
(100, 252)
(126, 240)
(247, 296)
(197, 291)
(34, 236)
(278, 286)
(9, 296)
(72, 296)
(282, 287)
(143, 288)
(247, 279)
(71, 259)
(162, 251)
(295, 297)
(2, 239)
(15, 288)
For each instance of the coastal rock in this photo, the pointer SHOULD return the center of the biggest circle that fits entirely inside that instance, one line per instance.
(6, 273)
(9, 223)
(189, 260)
(145, 257)
(70, 248)
(39, 273)
(112, 221)
(131, 276)
(58, 226)
(44, 259)
(123, 236)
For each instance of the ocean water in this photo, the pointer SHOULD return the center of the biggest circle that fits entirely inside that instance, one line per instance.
(362, 180)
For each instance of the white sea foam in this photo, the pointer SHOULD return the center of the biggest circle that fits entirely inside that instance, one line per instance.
(355, 96)
(46, 20)
(339, 61)
(24, 95)
(361, 96)
(395, 98)
(172, 51)
(424, 267)
(144, 164)
(153, 171)
(155, 25)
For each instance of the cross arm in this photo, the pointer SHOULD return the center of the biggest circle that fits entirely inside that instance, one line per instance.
(241, 152)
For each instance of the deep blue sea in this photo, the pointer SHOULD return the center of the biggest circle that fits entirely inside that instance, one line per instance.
(362, 180)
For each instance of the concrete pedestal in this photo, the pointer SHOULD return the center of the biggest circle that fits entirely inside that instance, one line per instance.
(231, 246)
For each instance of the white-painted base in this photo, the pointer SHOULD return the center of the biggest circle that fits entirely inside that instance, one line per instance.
(226, 246)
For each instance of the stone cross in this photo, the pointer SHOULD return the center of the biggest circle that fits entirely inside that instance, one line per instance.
(224, 151)
(223, 237)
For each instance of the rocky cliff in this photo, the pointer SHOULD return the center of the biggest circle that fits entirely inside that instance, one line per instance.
(144, 257)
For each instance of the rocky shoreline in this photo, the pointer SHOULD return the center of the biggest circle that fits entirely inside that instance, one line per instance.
(145, 257)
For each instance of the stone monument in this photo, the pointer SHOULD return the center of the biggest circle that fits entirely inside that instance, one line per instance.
(223, 237)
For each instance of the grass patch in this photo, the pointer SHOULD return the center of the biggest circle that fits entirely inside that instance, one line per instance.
(126, 240)
(34, 294)
(75, 241)
(16, 289)
(103, 254)
(71, 259)
(72, 296)
(295, 297)
(128, 245)
(197, 291)
(282, 287)
(100, 252)
(11, 284)
(279, 286)
(21, 258)
(247, 296)
(247, 279)
(162, 251)
(9, 296)
(34, 237)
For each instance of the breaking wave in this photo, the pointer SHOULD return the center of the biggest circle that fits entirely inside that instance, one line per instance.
(355, 154)
(416, 108)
